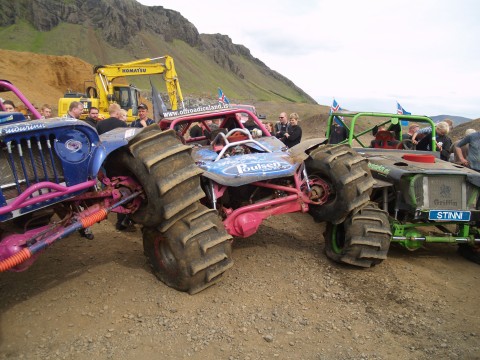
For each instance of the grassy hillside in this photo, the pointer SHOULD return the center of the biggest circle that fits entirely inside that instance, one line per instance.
(45, 78)
(199, 75)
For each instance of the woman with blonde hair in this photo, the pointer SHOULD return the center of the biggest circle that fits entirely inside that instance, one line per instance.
(293, 136)
(443, 142)
(122, 115)
(442, 128)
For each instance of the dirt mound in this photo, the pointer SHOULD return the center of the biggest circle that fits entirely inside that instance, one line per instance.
(44, 78)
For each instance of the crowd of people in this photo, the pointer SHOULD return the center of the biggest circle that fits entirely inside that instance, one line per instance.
(45, 110)
(465, 151)
(286, 129)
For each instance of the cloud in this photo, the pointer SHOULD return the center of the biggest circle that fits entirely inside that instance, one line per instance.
(281, 43)
(423, 52)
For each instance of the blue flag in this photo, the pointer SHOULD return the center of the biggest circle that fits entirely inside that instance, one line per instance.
(159, 107)
(402, 111)
(334, 108)
(222, 98)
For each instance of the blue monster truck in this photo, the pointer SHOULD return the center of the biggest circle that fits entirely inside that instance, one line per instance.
(53, 183)
(428, 200)
(250, 175)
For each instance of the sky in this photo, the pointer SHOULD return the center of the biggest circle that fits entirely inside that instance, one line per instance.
(368, 55)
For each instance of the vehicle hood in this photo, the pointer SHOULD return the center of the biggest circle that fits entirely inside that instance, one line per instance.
(391, 164)
(244, 169)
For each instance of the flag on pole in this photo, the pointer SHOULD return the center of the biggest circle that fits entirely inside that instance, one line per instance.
(402, 111)
(159, 107)
(222, 98)
(334, 108)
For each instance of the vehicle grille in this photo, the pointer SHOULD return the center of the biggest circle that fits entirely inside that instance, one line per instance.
(26, 162)
(442, 192)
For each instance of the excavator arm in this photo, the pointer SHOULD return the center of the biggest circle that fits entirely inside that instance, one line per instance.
(105, 74)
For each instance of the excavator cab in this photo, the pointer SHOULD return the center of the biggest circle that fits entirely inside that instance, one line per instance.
(128, 97)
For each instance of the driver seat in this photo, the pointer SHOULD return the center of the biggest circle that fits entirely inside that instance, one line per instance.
(385, 140)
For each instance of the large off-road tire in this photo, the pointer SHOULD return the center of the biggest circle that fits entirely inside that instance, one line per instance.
(363, 239)
(192, 254)
(349, 179)
(470, 252)
(167, 172)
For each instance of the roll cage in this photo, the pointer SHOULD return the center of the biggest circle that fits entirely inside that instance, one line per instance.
(360, 127)
(227, 121)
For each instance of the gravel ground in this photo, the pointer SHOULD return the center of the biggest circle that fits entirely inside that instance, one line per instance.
(97, 299)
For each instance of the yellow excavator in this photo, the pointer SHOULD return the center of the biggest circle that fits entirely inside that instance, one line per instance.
(105, 92)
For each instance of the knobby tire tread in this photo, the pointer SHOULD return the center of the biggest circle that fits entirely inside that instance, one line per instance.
(362, 240)
(349, 177)
(167, 172)
(192, 254)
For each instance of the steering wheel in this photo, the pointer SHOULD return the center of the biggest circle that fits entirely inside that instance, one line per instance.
(231, 136)
(237, 136)
(231, 140)
(408, 144)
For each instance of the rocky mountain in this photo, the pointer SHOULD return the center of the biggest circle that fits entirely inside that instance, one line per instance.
(457, 120)
(118, 21)
(111, 31)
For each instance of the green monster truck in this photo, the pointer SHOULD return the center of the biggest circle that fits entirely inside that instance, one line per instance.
(428, 200)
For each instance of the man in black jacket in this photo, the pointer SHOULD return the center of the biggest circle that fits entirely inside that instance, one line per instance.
(92, 118)
(112, 122)
(337, 133)
(281, 126)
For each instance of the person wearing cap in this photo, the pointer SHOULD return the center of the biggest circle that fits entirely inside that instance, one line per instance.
(143, 119)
